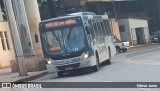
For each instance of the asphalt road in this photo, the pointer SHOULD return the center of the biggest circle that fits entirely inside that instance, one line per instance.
(139, 66)
(142, 66)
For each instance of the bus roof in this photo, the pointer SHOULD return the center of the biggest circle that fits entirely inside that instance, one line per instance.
(57, 18)
(89, 15)
(84, 15)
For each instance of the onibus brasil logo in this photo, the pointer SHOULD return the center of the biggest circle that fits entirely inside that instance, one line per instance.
(21, 85)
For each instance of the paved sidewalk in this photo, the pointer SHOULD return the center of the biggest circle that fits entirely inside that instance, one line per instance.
(7, 76)
(144, 47)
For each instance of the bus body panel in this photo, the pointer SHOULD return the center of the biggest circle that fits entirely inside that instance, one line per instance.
(102, 48)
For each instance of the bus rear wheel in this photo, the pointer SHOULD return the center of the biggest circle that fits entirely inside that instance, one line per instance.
(118, 49)
(108, 62)
(124, 50)
(96, 67)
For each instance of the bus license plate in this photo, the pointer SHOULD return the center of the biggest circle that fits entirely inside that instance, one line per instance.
(69, 68)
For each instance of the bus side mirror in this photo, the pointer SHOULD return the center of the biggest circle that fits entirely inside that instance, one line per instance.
(87, 29)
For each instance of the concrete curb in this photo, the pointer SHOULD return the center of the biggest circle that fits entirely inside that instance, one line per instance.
(143, 47)
(136, 53)
(30, 78)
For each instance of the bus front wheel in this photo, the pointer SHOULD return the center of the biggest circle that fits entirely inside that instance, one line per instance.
(60, 74)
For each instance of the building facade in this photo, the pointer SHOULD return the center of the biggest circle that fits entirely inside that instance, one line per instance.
(6, 47)
(134, 30)
(36, 10)
(114, 8)
(27, 18)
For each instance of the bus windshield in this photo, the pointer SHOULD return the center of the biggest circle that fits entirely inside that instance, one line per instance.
(64, 41)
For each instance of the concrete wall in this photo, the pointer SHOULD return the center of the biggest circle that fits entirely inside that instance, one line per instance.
(147, 35)
(130, 27)
(1, 16)
(33, 17)
(115, 28)
(6, 55)
(135, 23)
(125, 36)
(139, 23)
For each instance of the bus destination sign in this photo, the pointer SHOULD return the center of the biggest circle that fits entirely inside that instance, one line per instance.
(60, 23)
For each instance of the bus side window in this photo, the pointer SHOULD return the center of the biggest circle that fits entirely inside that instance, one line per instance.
(99, 28)
(91, 28)
(103, 28)
(106, 27)
(95, 28)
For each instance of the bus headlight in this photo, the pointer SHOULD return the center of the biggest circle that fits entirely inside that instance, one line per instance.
(86, 55)
(49, 62)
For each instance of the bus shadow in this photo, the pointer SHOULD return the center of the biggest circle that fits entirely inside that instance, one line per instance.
(78, 72)
(82, 72)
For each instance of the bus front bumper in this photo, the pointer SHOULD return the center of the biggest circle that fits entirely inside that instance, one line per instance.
(82, 64)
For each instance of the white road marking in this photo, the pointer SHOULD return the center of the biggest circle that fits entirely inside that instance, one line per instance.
(88, 77)
(145, 89)
(107, 81)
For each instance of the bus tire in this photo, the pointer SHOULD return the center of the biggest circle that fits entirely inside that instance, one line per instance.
(96, 67)
(60, 74)
(109, 54)
(118, 49)
(124, 50)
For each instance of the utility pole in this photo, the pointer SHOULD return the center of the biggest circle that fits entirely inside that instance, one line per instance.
(114, 9)
(22, 20)
(16, 39)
